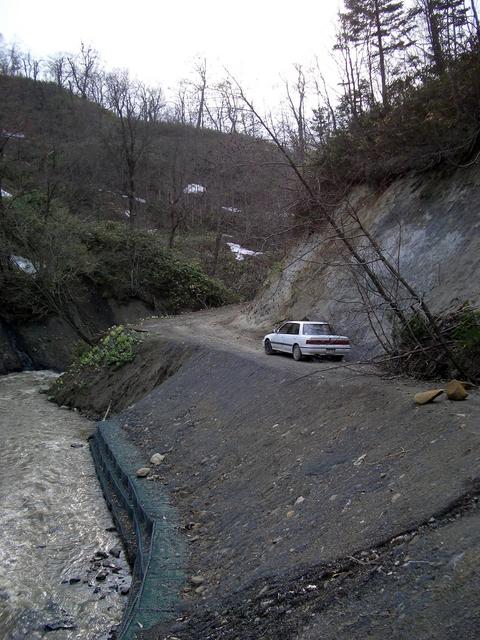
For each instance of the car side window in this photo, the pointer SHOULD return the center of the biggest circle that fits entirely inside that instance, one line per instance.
(284, 328)
(294, 329)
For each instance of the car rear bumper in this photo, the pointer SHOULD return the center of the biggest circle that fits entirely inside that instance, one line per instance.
(319, 350)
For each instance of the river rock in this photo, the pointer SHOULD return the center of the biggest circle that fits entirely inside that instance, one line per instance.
(157, 459)
(124, 590)
(455, 390)
(59, 624)
(101, 576)
(143, 472)
(197, 580)
(424, 397)
(115, 551)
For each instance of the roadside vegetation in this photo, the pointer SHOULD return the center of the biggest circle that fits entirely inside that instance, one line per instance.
(69, 260)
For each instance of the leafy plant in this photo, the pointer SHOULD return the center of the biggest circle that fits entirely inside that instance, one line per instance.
(115, 349)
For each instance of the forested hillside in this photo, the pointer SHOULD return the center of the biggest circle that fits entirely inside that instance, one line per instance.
(118, 204)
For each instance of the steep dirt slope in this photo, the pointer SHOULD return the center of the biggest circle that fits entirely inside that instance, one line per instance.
(316, 500)
(429, 225)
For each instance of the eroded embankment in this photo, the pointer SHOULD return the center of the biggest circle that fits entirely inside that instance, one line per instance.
(292, 492)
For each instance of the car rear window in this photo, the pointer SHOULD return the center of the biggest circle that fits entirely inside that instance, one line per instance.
(317, 329)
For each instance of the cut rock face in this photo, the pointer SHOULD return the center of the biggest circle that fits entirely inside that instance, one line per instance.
(455, 390)
(424, 397)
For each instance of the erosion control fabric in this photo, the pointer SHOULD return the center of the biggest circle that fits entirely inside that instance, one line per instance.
(141, 507)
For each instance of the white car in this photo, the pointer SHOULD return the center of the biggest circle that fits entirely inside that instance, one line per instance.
(306, 339)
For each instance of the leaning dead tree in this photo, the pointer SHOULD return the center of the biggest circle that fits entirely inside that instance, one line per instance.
(344, 219)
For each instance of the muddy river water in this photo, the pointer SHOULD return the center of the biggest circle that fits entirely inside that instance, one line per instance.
(63, 574)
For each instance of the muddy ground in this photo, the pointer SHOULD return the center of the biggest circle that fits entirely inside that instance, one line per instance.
(318, 500)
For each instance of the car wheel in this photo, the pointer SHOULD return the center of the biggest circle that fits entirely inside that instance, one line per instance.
(297, 353)
(268, 348)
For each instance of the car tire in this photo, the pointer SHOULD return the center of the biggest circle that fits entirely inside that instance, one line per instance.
(297, 353)
(268, 348)
(338, 358)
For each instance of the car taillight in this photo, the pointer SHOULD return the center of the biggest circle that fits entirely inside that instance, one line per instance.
(340, 341)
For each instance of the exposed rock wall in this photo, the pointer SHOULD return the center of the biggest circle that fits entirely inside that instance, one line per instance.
(49, 343)
(429, 224)
(10, 360)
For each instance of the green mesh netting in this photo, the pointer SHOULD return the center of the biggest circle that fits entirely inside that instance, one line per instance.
(145, 520)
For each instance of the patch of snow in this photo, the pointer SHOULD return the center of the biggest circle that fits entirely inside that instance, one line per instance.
(137, 199)
(232, 209)
(5, 194)
(194, 188)
(24, 264)
(13, 134)
(241, 252)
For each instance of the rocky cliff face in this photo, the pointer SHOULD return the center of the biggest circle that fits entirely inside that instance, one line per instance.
(49, 343)
(429, 225)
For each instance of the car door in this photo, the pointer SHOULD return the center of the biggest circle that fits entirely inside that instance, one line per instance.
(292, 336)
(280, 340)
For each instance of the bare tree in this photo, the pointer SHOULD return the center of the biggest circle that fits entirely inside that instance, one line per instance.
(296, 101)
(201, 86)
(127, 138)
(83, 68)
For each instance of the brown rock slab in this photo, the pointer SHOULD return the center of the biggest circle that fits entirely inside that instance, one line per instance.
(455, 390)
(424, 397)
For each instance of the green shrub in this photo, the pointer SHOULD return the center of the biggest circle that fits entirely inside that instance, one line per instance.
(115, 349)
(74, 259)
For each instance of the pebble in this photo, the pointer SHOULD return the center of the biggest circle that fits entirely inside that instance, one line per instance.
(76, 445)
(143, 472)
(74, 579)
(299, 500)
(197, 580)
(115, 551)
(101, 576)
(124, 590)
(157, 458)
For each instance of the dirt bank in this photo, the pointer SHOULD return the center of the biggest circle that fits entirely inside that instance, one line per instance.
(294, 482)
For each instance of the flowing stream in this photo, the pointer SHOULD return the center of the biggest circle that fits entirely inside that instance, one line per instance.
(63, 573)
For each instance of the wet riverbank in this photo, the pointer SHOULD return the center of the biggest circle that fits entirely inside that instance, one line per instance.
(58, 555)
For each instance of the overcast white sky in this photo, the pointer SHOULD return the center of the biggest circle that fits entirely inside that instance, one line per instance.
(158, 40)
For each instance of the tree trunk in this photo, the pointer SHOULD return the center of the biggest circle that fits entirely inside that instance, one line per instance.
(434, 32)
(381, 54)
